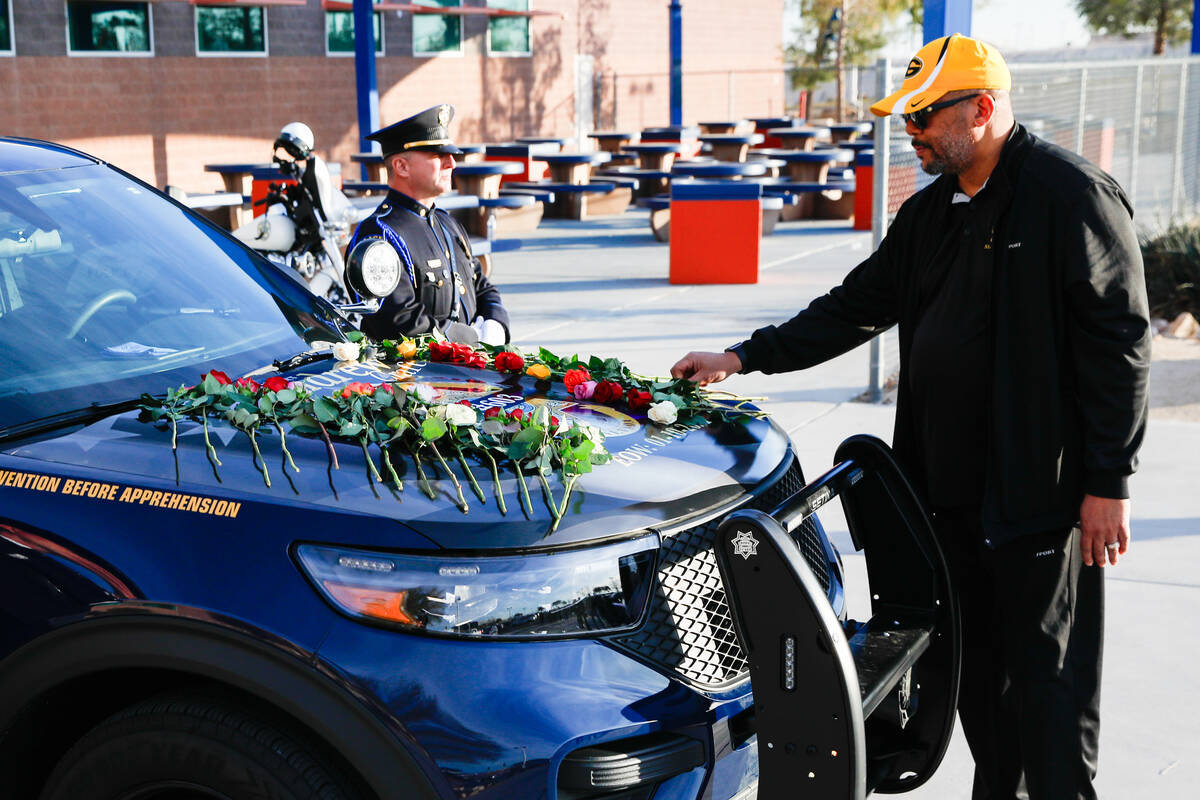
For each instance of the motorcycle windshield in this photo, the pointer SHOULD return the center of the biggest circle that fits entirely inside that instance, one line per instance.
(108, 290)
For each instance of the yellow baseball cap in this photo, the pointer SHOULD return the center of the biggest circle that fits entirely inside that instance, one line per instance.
(944, 65)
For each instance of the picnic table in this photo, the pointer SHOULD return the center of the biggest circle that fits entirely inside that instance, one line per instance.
(482, 180)
(555, 141)
(576, 195)
(731, 146)
(719, 169)
(812, 165)
(373, 168)
(612, 141)
(849, 131)
(723, 126)
(799, 137)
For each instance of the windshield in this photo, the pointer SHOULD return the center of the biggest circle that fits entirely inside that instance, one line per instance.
(108, 290)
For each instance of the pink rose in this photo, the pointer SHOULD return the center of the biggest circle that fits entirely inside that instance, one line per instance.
(584, 390)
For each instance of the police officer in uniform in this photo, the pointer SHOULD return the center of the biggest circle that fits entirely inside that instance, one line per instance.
(441, 284)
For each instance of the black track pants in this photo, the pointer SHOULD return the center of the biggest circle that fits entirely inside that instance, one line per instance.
(1029, 701)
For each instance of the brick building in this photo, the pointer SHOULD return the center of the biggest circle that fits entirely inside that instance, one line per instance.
(159, 88)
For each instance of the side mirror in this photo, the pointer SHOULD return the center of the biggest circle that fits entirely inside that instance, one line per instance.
(373, 272)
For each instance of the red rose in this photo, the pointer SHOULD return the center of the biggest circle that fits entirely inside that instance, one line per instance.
(638, 399)
(574, 377)
(607, 392)
(358, 387)
(220, 377)
(516, 413)
(464, 402)
(462, 353)
(276, 383)
(247, 383)
(387, 387)
(477, 360)
(439, 351)
(494, 411)
(554, 423)
(509, 362)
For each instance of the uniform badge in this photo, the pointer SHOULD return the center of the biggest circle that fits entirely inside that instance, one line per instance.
(431, 276)
(744, 545)
(433, 263)
(444, 115)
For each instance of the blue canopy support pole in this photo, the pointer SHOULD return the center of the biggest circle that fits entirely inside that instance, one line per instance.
(1196, 28)
(364, 78)
(677, 63)
(944, 17)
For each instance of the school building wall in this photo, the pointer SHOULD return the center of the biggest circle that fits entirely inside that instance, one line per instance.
(163, 116)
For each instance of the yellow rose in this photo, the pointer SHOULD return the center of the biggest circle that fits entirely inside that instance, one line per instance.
(406, 349)
(539, 371)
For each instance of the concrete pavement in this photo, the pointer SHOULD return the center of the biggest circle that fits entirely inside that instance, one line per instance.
(601, 288)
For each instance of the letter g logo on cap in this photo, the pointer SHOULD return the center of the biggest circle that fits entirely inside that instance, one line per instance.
(914, 66)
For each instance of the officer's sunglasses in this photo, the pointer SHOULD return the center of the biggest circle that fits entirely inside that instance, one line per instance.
(920, 119)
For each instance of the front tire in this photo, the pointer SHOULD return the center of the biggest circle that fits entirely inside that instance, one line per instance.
(194, 748)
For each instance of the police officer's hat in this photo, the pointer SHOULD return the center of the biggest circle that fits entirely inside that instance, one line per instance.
(428, 130)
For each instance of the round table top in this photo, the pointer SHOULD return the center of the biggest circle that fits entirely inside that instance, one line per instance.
(540, 140)
(769, 163)
(776, 122)
(470, 148)
(732, 138)
(828, 156)
(860, 144)
(798, 132)
(243, 167)
(654, 147)
(610, 135)
(575, 158)
(852, 127)
(489, 168)
(367, 158)
(719, 169)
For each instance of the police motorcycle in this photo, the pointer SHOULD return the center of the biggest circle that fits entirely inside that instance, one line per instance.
(307, 224)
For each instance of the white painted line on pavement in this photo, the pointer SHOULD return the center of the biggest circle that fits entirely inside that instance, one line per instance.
(814, 251)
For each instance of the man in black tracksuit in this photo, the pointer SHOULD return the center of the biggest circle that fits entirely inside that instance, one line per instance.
(1016, 282)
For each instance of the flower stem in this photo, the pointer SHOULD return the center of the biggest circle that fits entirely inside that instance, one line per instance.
(370, 461)
(387, 462)
(526, 505)
(470, 475)
(462, 500)
(283, 444)
(570, 485)
(496, 480)
(332, 453)
(421, 479)
(548, 496)
(262, 464)
(212, 451)
(174, 431)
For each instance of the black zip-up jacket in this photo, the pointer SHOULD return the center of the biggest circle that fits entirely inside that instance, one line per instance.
(1069, 333)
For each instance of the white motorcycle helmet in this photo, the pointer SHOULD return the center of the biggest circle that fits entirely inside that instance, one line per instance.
(297, 139)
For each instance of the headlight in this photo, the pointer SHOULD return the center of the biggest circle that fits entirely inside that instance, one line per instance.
(571, 593)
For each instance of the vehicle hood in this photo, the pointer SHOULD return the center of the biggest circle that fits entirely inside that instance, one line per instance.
(659, 475)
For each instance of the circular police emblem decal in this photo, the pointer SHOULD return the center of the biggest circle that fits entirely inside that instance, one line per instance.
(453, 391)
(610, 421)
(914, 66)
(444, 116)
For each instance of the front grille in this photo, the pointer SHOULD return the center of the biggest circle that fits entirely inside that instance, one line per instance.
(689, 631)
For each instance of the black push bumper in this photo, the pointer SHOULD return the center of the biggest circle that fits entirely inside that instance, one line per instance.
(843, 709)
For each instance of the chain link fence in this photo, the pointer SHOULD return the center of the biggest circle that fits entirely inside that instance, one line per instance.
(1135, 119)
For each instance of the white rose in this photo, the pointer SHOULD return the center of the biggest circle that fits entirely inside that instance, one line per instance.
(425, 392)
(345, 351)
(458, 414)
(663, 412)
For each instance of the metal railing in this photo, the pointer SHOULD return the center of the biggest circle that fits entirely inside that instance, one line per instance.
(1135, 119)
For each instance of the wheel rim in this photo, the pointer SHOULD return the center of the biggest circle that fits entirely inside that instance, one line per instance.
(174, 790)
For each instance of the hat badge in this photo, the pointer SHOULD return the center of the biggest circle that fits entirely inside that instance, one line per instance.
(914, 66)
(444, 115)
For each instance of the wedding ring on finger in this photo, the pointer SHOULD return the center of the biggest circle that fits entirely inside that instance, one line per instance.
(1112, 545)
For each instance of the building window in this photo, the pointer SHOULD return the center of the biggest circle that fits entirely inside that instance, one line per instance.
(339, 32)
(509, 36)
(108, 27)
(230, 30)
(6, 40)
(435, 34)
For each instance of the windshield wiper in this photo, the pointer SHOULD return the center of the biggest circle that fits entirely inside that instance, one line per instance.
(78, 416)
(302, 359)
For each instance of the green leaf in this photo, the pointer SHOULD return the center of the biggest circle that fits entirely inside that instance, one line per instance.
(432, 429)
(265, 405)
(350, 429)
(354, 336)
(325, 409)
(286, 396)
(212, 385)
(397, 423)
(304, 424)
(524, 443)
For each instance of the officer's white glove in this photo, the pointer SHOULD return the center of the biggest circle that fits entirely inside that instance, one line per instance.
(490, 331)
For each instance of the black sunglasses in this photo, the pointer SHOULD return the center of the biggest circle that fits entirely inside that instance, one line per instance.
(920, 119)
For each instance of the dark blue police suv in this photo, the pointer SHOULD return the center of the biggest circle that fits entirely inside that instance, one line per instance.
(175, 630)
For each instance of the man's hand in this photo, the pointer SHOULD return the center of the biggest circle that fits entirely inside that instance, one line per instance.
(706, 368)
(1104, 523)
